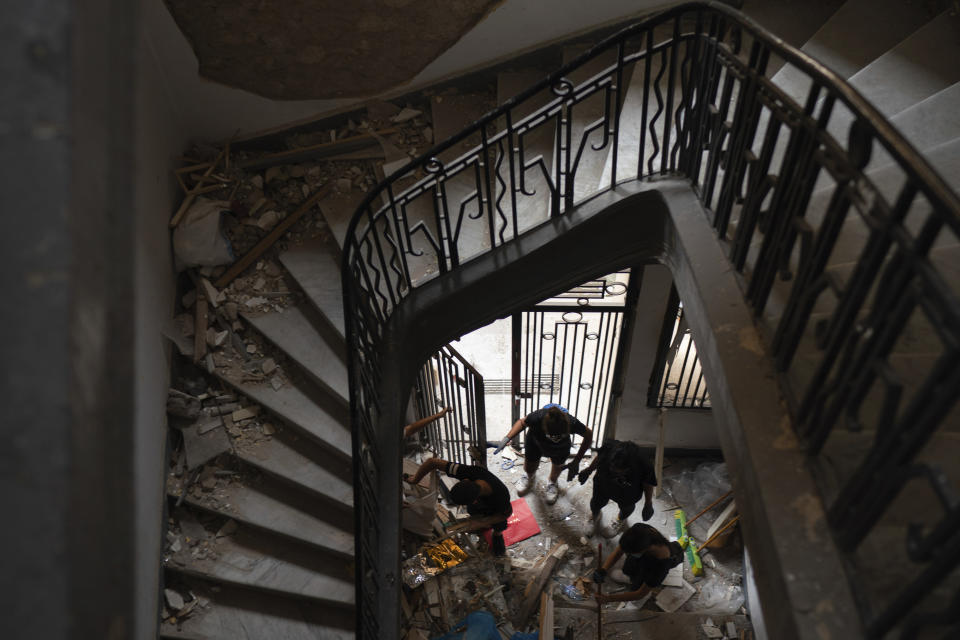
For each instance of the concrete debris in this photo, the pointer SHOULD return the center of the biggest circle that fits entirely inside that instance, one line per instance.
(272, 174)
(182, 405)
(228, 529)
(256, 301)
(730, 629)
(251, 348)
(272, 270)
(276, 383)
(174, 599)
(231, 308)
(268, 220)
(428, 134)
(257, 182)
(246, 413)
(259, 284)
(344, 185)
(268, 366)
(268, 429)
(406, 114)
(213, 296)
(208, 425)
(189, 298)
(711, 631)
(185, 323)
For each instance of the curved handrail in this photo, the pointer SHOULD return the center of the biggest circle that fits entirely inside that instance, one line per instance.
(736, 136)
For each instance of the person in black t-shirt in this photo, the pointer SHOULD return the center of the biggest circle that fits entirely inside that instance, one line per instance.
(486, 498)
(548, 436)
(624, 476)
(649, 558)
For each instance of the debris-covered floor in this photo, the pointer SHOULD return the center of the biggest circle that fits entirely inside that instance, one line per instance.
(691, 607)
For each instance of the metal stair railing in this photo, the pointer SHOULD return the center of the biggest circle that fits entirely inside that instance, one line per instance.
(754, 156)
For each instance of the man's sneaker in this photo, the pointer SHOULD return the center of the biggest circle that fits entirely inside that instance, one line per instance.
(523, 485)
(551, 493)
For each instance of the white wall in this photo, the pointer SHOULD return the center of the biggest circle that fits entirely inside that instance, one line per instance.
(210, 111)
(159, 140)
(685, 428)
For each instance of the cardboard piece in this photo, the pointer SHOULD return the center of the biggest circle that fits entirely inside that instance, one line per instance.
(520, 525)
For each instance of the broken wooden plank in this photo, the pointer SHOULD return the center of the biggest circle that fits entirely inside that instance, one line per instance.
(200, 328)
(322, 150)
(191, 195)
(546, 615)
(532, 595)
(268, 241)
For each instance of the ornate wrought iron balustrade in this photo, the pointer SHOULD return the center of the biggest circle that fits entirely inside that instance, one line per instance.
(843, 261)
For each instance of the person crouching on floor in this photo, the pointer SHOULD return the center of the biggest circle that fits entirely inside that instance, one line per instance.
(624, 475)
(649, 557)
(486, 498)
(548, 436)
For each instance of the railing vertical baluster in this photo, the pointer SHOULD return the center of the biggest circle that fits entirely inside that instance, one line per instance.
(647, 67)
(674, 49)
(617, 112)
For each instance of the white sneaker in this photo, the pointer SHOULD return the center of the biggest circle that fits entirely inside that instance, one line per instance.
(523, 485)
(551, 493)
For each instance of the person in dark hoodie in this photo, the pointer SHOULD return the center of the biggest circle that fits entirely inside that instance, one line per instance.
(623, 475)
(549, 432)
(486, 498)
(650, 557)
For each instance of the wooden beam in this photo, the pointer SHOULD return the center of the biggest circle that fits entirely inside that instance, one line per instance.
(192, 195)
(532, 596)
(546, 615)
(200, 327)
(323, 150)
(269, 240)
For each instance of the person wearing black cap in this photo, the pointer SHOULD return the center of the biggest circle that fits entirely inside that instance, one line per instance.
(649, 558)
(548, 436)
(624, 476)
(486, 498)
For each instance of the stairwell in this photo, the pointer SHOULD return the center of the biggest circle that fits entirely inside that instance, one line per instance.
(289, 570)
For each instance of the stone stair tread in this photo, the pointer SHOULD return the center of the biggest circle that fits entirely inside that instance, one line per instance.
(298, 410)
(920, 66)
(249, 558)
(316, 269)
(338, 209)
(927, 125)
(240, 614)
(249, 506)
(283, 461)
(858, 33)
(293, 332)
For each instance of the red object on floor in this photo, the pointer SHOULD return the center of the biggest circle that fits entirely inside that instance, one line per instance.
(520, 525)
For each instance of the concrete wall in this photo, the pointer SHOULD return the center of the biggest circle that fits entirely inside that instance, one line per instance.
(159, 140)
(211, 111)
(685, 428)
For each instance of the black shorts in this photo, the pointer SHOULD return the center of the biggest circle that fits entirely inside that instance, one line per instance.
(533, 451)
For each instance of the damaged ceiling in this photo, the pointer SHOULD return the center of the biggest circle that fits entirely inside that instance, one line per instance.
(309, 49)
